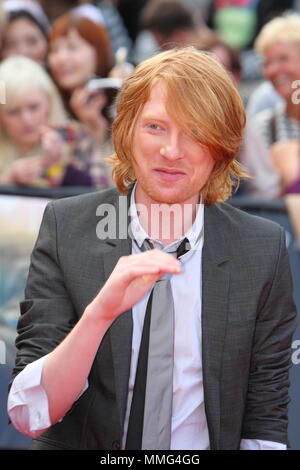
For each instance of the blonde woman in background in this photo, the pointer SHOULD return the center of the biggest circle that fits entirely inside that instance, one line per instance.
(32, 102)
(279, 45)
(38, 145)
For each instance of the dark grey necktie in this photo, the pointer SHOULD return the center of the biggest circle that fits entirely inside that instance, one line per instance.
(150, 418)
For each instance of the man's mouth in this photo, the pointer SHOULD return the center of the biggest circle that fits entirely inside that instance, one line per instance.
(170, 174)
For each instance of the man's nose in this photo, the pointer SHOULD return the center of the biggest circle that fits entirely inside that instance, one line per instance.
(173, 148)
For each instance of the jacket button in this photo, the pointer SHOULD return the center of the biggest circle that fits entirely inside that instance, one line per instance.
(116, 445)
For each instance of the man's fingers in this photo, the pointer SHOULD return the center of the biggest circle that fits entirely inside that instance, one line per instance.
(149, 268)
(147, 274)
(151, 257)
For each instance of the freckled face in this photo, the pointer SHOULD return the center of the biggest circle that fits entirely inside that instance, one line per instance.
(170, 166)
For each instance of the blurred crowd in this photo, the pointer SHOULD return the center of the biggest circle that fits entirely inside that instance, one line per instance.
(63, 61)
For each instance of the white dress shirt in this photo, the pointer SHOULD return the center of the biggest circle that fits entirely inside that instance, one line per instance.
(28, 403)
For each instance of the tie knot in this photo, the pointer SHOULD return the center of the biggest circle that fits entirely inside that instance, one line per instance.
(178, 249)
(183, 247)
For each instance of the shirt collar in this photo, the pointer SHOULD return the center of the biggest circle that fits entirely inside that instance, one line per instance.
(194, 234)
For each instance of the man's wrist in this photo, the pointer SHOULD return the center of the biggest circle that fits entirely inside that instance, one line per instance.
(95, 314)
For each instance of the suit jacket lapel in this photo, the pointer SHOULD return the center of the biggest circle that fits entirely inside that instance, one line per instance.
(215, 291)
(120, 335)
(121, 329)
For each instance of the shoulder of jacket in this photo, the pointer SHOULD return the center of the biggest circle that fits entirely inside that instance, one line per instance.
(86, 200)
(248, 225)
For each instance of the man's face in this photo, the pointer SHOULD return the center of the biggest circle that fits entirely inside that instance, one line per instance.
(170, 166)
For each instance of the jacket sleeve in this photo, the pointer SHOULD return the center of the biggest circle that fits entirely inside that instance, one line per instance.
(47, 314)
(266, 413)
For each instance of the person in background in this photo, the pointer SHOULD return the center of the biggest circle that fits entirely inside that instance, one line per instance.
(264, 182)
(229, 57)
(265, 96)
(262, 97)
(115, 26)
(238, 23)
(279, 45)
(130, 11)
(31, 6)
(101, 11)
(234, 21)
(166, 24)
(24, 35)
(286, 159)
(38, 144)
(171, 23)
(79, 49)
(57, 8)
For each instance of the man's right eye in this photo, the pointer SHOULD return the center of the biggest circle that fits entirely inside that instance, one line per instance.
(154, 126)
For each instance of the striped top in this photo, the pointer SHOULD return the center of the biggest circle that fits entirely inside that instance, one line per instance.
(274, 125)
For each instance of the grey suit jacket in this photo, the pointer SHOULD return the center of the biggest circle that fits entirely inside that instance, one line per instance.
(248, 318)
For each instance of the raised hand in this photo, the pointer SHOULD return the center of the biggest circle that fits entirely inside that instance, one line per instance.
(132, 277)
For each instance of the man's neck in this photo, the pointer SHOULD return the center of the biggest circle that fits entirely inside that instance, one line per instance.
(166, 222)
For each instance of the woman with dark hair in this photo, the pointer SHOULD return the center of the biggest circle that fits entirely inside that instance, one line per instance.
(24, 34)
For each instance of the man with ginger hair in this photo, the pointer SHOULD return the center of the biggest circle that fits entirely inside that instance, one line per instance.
(178, 129)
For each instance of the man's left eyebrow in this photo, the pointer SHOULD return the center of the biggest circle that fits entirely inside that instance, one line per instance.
(151, 117)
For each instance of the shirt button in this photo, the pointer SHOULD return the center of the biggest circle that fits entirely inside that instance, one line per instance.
(116, 445)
